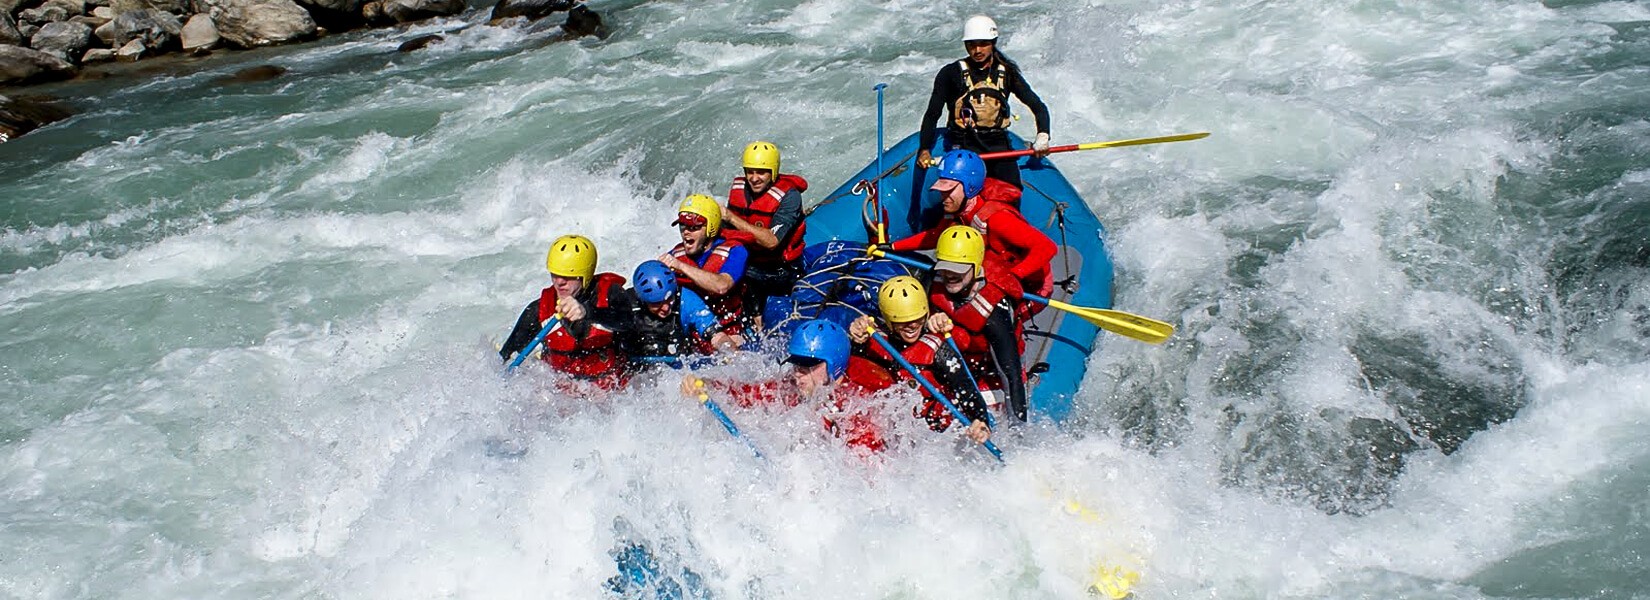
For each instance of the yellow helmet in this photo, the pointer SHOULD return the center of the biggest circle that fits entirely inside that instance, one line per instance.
(762, 155)
(700, 209)
(902, 299)
(962, 244)
(572, 256)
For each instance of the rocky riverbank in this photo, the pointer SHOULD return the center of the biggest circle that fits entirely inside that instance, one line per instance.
(52, 40)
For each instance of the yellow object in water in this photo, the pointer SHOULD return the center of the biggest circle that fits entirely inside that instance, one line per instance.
(1116, 583)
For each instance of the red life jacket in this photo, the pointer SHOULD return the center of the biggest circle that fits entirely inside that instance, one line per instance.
(729, 307)
(1001, 198)
(969, 314)
(760, 212)
(595, 357)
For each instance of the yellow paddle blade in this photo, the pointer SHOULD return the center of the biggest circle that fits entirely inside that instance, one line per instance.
(1151, 331)
(1116, 583)
(1184, 137)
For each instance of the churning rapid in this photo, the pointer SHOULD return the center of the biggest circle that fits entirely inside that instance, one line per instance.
(248, 328)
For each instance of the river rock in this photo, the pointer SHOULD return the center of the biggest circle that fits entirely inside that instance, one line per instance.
(532, 9)
(252, 75)
(19, 65)
(90, 21)
(8, 31)
(418, 43)
(45, 13)
(106, 33)
(252, 23)
(158, 30)
(171, 6)
(131, 51)
(406, 11)
(103, 12)
(9, 7)
(22, 115)
(581, 21)
(199, 34)
(67, 40)
(97, 55)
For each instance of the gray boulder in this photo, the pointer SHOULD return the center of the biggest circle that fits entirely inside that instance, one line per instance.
(90, 21)
(532, 9)
(97, 55)
(8, 31)
(199, 34)
(252, 23)
(20, 65)
(171, 6)
(22, 115)
(130, 52)
(9, 7)
(158, 30)
(67, 40)
(45, 13)
(106, 33)
(406, 11)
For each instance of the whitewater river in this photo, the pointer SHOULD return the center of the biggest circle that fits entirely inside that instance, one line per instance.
(246, 330)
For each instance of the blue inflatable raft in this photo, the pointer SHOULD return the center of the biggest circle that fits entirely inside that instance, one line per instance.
(1057, 344)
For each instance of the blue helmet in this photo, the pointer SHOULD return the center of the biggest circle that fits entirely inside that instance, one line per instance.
(654, 282)
(820, 339)
(964, 167)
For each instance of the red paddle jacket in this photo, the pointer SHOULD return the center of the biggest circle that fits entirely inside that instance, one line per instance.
(1009, 239)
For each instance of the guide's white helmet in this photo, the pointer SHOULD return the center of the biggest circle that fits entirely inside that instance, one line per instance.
(979, 27)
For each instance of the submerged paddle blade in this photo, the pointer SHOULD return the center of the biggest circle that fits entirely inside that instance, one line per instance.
(1116, 583)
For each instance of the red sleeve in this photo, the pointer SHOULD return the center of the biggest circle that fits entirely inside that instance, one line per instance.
(1036, 247)
(922, 240)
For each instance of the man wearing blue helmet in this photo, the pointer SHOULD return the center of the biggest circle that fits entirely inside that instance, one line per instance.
(975, 90)
(824, 372)
(971, 198)
(667, 321)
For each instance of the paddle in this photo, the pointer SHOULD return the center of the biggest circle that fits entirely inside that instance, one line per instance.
(544, 330)
(1184, 137)
(715, 409)
(1145, 329)
(909, 368)
(1151, 331)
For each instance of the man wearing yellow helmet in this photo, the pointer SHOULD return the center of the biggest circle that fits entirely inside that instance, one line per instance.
(975, 90)
(978, 295)
(764, 214)
(708, 263)
(590, 308)
(916, 333)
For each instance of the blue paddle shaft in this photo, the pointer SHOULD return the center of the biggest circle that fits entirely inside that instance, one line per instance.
(879, 88)
(1035, 298)
(544, 330)
(727, 423)
(909, 262)
(912, 369)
